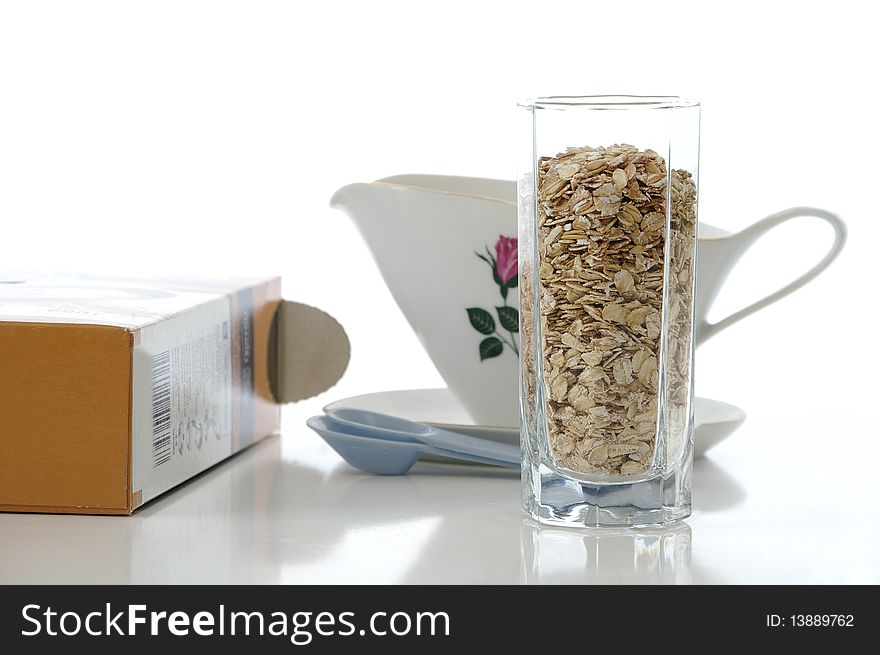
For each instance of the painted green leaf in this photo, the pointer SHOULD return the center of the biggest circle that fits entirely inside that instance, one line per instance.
(503, 291)
(509, 318)
(481, 320)
(513, 282)
(490, 347)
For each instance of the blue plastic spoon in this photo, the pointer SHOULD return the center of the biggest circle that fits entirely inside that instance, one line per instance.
(384, 456)
(366, 423)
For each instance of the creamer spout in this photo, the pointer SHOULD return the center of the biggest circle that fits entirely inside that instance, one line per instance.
(349, 197)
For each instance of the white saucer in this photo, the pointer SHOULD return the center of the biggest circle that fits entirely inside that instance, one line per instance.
(714, 420)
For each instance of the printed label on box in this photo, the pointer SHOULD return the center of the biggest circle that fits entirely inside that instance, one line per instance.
(182, 397)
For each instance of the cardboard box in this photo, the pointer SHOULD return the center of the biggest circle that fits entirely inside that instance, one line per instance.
(112, 392)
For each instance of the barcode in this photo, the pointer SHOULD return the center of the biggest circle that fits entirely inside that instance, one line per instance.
(161, 409)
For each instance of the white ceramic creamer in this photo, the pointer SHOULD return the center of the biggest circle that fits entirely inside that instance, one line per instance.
(443, 245)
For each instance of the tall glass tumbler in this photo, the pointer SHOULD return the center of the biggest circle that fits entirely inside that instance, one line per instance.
(607, 205)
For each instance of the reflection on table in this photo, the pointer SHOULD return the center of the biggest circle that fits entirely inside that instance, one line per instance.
(566, 555)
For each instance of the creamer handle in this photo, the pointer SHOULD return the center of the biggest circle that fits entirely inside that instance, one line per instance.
(745, 239)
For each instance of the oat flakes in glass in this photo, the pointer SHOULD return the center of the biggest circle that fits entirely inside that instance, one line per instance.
(607, 209)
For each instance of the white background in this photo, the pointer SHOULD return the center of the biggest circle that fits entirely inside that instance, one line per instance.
(207, 138)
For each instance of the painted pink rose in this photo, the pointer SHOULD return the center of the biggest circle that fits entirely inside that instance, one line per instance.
(505, 257)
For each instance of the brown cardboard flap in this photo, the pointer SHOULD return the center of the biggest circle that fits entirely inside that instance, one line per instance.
(311, 352)
(65, 417)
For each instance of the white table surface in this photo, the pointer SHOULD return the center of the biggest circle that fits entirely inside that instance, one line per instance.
(289, 511)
